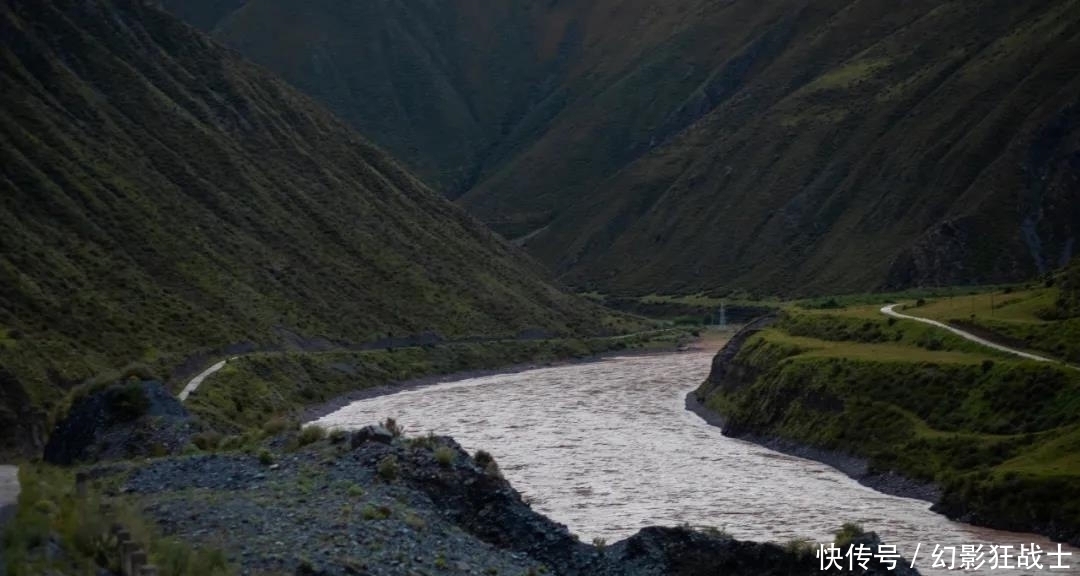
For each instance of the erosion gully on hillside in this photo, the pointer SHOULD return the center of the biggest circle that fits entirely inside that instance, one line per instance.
(608, 448)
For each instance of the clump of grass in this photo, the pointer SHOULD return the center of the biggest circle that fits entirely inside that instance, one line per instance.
(49, 511)
(483, 457)
(714, 532)
(311, 434)
(376, 512)
(354, 491)
(394, 428)
(207, 440)
(338, 436)
(265, 457)
(415, 522)
(599, 542)
(388, 468)
(277, 425)
(486, 461)
(800, 547)
(428, 441)
(445, 456)
(848, 532)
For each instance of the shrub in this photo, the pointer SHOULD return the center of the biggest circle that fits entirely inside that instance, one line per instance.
(376, 513)
(483, 457)
(599, 542)
(311, 434)
(354, 490)
(847, 533)
(388, 468)
(445, 456)
(394, 428)
(128, 402)
(492, 469)
(207, 440)
(338, 435)
(415, 522)
(715, 532)
(800, 547)
(277, 425)
(265, 457)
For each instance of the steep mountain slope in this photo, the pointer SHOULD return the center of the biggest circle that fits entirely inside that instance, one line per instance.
(940, 145)
(438, 84)
(163, 198)
(777, 146)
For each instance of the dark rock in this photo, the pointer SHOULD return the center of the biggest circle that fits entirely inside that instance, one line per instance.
(135, 419)
(367, 434)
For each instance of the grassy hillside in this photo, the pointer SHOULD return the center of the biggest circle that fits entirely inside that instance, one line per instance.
(997, 434)
(163, 198)
(777, 147)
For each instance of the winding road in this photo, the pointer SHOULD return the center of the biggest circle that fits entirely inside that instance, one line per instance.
(889, 311)
(195, 382)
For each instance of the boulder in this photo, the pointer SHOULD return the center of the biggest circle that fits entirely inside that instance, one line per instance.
(120, 421)
(367, 434)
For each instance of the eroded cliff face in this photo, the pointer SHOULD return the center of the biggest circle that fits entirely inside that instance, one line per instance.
(727, 375)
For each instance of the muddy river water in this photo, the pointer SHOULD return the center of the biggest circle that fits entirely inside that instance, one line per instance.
(608, 447)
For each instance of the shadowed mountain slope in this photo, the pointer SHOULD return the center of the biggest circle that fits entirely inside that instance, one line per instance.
(162, 198)
(782, 146)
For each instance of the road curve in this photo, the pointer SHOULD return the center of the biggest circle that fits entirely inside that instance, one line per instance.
(888, 311)
(195, 382)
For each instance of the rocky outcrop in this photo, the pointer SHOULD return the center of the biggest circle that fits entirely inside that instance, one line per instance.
(356, 504)
(121, 421)
(722, 364)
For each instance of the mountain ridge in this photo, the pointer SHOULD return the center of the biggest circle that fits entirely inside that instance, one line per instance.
(780, 147)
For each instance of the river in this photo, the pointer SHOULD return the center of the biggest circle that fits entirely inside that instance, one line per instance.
(608, 447)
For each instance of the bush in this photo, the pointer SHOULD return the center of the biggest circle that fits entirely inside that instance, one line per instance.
(207, 440)
(847, 533)
(379, 513)
(492, 469)
(394, 428)
(388, 468)
(800, 547)
(311, 434)
(483, 457)
(265, 457)
(415, 522)
(128, 401)
(277, 425)
(445, 456)
(338, 435)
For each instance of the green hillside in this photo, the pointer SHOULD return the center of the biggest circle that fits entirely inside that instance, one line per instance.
(163, 200)
(776, 147)
(998, 435)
